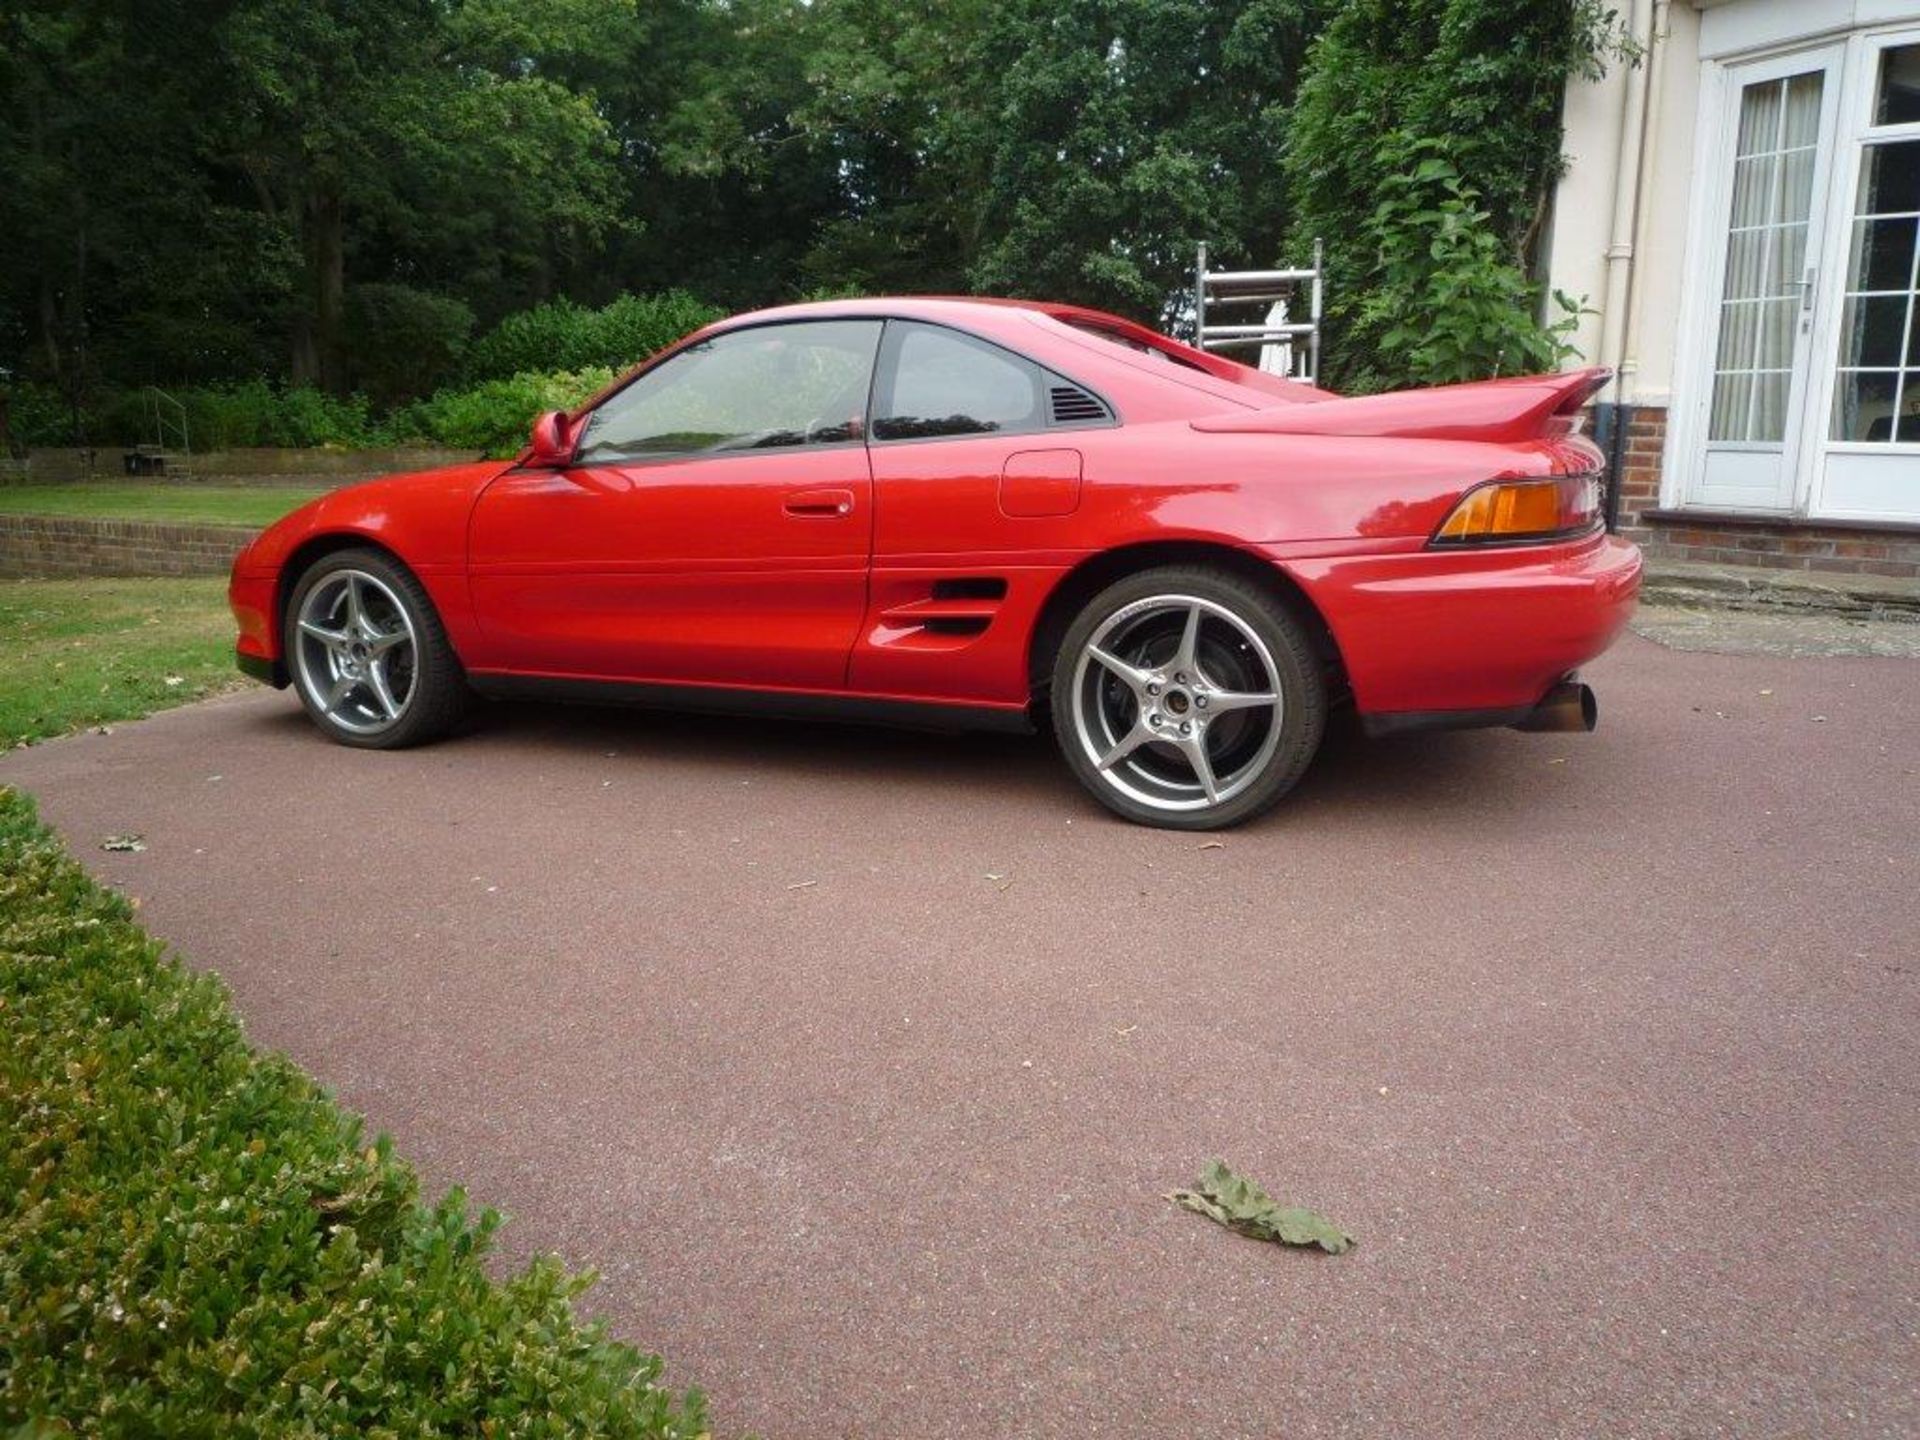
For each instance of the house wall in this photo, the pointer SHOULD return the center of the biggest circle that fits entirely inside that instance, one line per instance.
(1621, 239)
(1633, 324)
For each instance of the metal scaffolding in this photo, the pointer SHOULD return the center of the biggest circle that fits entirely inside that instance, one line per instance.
(1282, 292)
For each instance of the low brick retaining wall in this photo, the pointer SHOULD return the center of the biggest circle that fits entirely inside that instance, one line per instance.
(44, 546)
(294, 467)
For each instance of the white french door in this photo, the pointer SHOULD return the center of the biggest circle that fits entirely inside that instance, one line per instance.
(1869, 430)
(1753, 377)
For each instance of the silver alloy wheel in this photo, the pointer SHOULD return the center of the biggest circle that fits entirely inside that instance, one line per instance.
(355, 652)
(1177, 702)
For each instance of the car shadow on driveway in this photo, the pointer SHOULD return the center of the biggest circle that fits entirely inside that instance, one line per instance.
(1413, 773)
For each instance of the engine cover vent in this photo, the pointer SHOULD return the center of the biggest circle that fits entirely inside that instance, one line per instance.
(1070, 405)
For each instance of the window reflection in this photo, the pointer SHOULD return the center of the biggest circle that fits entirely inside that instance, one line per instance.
(1877, 391)
(1766, 256)
(773, 387)
(1899, 96)
(945, 383)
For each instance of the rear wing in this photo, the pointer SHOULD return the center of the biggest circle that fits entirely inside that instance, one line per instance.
(1521, 407)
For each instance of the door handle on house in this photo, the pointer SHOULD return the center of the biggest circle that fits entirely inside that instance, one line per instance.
(820, 504)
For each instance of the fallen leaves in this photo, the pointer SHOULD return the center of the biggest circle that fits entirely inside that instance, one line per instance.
(124, 844)
(1233, 1200)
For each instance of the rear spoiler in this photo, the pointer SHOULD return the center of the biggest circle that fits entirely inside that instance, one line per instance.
(1521, 407)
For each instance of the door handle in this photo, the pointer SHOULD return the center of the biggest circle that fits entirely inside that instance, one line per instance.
(820, 504)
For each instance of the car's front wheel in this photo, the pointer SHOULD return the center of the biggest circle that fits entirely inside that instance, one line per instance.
(1188, 697)
(368, 655)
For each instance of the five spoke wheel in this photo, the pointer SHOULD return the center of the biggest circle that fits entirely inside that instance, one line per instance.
(1187, 698)
(356, 652)
(1177, 701)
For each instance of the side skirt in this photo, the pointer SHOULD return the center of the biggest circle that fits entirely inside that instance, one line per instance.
(720, 700)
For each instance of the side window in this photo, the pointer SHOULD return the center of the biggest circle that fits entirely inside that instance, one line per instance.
(940, 382)
(769, 387)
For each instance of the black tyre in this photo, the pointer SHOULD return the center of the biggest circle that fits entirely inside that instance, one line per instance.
(368, 655)
(1188, 698)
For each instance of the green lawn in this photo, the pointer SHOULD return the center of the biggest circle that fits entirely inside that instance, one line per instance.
(183, 502)
(85, 652)
(195, 1241)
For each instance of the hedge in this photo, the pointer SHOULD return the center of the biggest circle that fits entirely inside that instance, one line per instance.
(565, 336)
(549, 357)
(194, 1240)
(490, 417)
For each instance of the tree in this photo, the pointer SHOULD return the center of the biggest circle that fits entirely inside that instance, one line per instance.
(1079, 149)
(727, 185)
(1126, 132)
(421, 129)
(104, 210)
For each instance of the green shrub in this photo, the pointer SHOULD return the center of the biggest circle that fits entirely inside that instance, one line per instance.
(195, 1241)
(255, 413)
(1448, 304)
(492, 418)
(219, 417)
(564, 336)
(402, 342)
(38, 415)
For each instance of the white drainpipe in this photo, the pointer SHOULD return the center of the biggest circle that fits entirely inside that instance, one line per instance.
(1615, 318)
(1643, 213)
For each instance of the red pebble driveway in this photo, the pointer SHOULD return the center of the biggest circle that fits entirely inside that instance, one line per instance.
(858, 1062)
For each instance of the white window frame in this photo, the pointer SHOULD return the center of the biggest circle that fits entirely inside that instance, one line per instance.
(1857, 131)
(1705, 261)
(1857, 74)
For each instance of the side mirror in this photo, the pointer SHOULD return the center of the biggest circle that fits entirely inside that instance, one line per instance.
(553, 440)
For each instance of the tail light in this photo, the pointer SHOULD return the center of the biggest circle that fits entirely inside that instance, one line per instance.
(1507, 511)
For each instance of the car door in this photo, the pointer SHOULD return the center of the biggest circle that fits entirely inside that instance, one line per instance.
(978, 460)
(714, 526)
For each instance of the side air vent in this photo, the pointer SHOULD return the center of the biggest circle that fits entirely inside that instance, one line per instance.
(970, 587)
(1070, 405)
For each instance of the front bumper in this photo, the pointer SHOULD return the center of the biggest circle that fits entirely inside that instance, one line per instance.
(257, 652)
(256, 667)
(1480, 635)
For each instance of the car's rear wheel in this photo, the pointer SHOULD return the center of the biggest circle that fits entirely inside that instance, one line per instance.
(368, 655)
(1188, 697)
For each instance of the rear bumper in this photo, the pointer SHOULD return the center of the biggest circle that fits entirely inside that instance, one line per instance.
(1567, 705)
(1442, 639)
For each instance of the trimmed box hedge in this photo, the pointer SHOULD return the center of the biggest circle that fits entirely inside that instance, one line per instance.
(195, 1240)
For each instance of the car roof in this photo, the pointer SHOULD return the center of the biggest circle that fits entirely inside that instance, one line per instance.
(985, 313)
(1023, 325)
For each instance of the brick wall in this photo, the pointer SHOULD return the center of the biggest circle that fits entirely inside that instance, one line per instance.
(1640, 470)
(45, 545)
(1849, 549)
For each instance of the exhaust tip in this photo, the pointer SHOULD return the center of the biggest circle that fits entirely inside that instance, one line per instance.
(1568, 706)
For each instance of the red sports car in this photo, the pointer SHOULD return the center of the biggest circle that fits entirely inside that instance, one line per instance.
(973, 512)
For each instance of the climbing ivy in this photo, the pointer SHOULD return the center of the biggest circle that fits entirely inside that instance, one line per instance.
(1424, 145)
